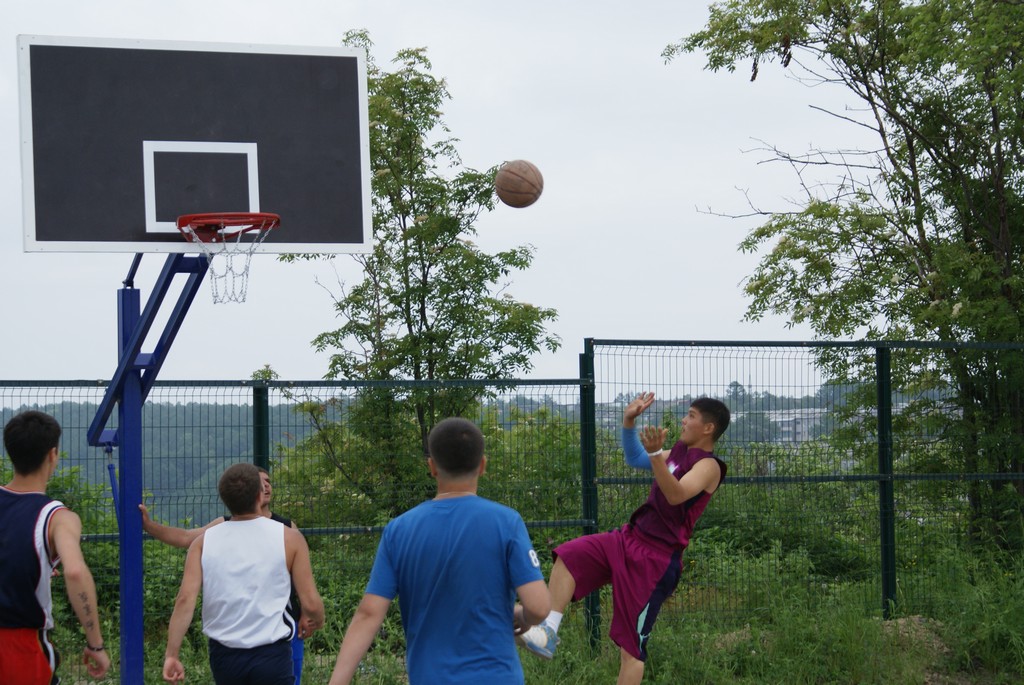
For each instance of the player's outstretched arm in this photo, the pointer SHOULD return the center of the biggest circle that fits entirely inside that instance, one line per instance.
(301, 570)
(364, 626)
(638, 446)
(632, 448)
(66, 532)
(170, 535)
(184, 608)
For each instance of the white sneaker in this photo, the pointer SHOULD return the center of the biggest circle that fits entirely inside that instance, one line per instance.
(539, 640)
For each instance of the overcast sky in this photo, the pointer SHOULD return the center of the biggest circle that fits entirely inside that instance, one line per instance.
(633, 152)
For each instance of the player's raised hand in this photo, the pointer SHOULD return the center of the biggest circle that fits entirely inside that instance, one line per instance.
(636, 408)
(653, 438)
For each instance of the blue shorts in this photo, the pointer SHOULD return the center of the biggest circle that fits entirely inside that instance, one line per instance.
(264, 665)
(298, 655)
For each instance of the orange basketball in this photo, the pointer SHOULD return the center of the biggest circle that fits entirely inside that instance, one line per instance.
(518, 183)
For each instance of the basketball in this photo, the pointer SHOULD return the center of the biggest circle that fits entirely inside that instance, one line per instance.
(518, 183)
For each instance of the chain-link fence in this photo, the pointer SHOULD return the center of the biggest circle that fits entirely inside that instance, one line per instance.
(344, 459)
(855, 471)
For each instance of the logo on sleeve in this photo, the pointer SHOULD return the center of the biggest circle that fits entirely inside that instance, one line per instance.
(534, 560)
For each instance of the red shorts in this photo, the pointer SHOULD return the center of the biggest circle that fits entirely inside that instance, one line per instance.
(27, 657)
(642, 578)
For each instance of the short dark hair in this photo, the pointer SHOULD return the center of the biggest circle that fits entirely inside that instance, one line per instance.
(240, 487)
(28, 438)
(456, 445)
(713, 411)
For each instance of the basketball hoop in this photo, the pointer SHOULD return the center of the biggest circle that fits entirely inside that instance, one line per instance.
(231, 234)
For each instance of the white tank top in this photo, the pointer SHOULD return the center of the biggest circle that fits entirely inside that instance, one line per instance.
(246, 584)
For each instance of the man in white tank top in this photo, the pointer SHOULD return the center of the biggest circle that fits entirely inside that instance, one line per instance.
(183, 537)
(246, 568)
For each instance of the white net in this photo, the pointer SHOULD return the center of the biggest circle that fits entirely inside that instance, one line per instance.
(233, 245)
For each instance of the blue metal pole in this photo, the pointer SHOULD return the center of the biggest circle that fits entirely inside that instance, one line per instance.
(134, 377)
(130, 521)
(113, 492)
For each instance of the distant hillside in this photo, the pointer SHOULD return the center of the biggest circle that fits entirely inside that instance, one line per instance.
(186, 447)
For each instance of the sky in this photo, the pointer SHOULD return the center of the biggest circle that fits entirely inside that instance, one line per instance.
(644, 164)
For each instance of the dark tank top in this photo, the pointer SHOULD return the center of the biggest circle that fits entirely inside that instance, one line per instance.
(670, 525)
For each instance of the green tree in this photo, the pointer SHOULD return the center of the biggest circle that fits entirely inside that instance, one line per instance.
(922, 237)
(431, 304)
(736, 396)
(363, 451)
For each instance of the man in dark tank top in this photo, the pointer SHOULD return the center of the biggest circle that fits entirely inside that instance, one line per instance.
(642, 560)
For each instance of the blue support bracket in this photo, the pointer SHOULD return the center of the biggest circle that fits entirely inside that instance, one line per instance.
(131, 358)
(133, 379)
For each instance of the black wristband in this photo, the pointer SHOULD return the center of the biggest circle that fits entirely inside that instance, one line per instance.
(101, 648)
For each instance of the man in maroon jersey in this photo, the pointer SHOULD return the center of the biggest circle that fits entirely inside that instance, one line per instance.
(642, 560)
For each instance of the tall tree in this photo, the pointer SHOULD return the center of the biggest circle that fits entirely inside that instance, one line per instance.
(922, 237)
(431, 305)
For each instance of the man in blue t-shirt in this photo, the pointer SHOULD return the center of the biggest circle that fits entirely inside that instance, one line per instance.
(456, 562)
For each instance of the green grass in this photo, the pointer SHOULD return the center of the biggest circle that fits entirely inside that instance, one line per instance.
(795, 647)
(975, 635)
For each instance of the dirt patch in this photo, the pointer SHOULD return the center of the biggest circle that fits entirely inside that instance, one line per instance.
(911, 633)
(917, 632)
(724, 643)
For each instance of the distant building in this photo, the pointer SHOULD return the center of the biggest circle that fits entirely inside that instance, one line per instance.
(794, 425)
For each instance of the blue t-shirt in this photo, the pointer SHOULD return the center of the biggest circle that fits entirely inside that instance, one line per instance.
(454, 565)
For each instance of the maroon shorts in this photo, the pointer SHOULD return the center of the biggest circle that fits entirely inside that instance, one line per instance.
(27, 657)
(642, 578)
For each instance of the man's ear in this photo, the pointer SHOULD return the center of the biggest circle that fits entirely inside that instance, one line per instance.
(432, 466)
(483, 465)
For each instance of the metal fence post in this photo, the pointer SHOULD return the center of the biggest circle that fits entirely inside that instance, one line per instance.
(261, 425)
(886, 499)
(588, 472)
